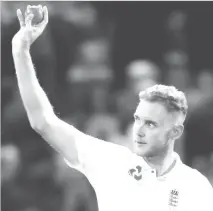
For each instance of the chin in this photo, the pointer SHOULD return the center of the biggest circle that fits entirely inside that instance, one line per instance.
(143, 152)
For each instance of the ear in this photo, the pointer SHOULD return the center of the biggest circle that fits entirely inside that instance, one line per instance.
(176, 132)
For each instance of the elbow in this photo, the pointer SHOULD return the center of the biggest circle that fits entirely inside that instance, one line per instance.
(41, 123)
(38, 126)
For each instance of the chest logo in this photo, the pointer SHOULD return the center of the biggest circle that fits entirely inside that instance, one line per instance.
(136, 173)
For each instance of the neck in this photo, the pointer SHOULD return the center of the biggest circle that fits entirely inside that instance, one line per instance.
(162, 163)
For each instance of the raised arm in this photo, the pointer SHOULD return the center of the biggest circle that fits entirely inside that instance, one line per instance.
(42, 118)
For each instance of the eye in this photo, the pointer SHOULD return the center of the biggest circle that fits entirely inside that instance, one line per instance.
(151, 124)
(136, 117)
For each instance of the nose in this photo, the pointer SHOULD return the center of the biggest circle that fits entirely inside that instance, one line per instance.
(141, 134)
(141, 130)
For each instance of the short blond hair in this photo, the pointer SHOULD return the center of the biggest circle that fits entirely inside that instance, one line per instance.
(172, 98)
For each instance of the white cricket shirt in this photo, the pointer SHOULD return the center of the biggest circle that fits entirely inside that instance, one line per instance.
(123, 181)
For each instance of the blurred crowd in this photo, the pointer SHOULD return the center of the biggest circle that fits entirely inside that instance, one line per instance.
(92, 60)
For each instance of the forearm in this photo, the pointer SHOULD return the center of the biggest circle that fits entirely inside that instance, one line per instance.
(34, 98)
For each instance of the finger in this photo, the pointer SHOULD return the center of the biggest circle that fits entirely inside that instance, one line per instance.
(45, 12)
(28, 20)
(44, 22)
(40, 7)
(27, 11)
(28, 8)
(20, 17)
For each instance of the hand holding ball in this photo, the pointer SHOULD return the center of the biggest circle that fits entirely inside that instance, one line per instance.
(30, 27)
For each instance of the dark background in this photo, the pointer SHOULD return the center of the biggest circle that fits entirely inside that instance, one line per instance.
(84, 61)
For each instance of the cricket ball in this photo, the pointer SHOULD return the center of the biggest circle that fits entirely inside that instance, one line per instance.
(38, 15)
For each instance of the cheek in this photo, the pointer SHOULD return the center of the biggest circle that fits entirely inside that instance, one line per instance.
(157, 136)
(134, 128)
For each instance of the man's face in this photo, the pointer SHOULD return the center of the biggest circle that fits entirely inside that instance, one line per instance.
(151, 129)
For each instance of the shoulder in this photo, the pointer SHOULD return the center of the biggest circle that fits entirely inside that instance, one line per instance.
(199, 187)
(119, 151)
(107, 148)
(195, 177)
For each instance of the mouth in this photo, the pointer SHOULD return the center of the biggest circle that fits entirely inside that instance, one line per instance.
(141, 142)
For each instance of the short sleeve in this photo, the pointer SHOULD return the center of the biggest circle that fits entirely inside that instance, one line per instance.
(205, 199)
(208, 200)
(95, 155)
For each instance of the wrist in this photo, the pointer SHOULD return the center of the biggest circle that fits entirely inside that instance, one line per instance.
(20, 46)
(20, 50)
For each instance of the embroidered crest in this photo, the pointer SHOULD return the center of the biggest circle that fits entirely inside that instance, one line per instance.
(173, 198)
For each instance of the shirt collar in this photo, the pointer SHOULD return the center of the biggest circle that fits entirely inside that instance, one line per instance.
(172, 172)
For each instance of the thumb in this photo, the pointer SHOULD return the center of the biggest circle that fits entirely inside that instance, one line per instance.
(43, 24)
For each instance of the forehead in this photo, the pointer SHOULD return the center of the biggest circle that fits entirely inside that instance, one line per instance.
(153, 110)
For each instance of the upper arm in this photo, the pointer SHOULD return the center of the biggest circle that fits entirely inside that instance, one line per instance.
(62, 137)
(82, 151)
